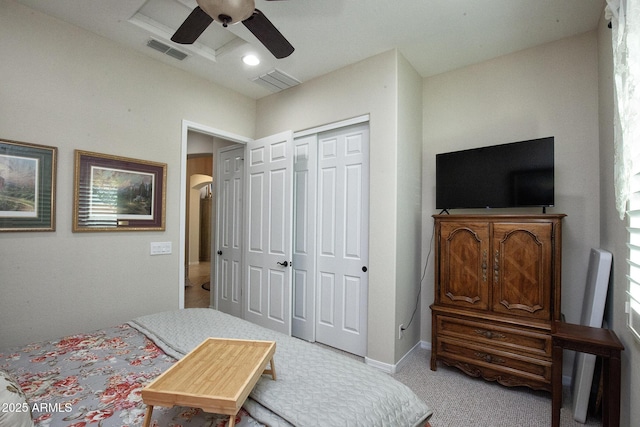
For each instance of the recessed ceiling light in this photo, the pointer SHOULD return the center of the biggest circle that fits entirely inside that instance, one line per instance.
(250, 60)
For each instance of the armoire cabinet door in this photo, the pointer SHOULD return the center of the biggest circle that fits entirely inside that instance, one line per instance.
(521, 267)
(464, 264)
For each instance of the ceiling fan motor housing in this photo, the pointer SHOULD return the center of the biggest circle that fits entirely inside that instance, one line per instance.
(228, 12)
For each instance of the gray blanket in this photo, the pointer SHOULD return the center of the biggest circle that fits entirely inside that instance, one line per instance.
(314, 387)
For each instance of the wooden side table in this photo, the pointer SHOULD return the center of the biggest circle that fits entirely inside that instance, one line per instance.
(598, 341)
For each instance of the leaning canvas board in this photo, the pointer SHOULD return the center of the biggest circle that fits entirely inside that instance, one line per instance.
(592, 315)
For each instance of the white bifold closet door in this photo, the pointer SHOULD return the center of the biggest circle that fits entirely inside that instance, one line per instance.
(331, 244)
(305, 169)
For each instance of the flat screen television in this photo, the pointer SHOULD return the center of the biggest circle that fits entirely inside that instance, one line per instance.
(518, 174)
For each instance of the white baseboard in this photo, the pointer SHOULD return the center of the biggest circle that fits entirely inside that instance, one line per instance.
(385, 367)
(393, 368)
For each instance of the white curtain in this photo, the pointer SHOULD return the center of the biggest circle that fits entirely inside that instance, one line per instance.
(625, 27)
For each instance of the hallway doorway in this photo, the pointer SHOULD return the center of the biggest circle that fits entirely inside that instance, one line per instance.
(200, 147)
(198, 294)
(198, 226)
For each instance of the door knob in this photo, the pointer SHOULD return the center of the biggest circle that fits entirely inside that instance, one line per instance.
(284, 264)
(364, 268)
(219, 252)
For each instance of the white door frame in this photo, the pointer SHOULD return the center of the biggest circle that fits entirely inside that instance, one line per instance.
(195, 127)
(332, 126)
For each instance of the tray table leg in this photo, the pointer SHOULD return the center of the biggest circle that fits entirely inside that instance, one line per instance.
(147, 416)
(272, 370)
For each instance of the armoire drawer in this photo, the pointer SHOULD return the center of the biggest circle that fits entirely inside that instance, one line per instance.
(511, 364)
(509, 338)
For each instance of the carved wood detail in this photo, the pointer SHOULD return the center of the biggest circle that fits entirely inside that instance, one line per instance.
(497, 324)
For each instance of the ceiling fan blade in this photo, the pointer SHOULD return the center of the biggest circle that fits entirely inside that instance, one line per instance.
(192, 27)
(268, 35)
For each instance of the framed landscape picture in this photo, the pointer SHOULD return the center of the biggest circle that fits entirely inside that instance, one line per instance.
(27, 186)
(113, 193)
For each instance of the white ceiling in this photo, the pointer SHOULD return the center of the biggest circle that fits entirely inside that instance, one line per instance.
(435, 36)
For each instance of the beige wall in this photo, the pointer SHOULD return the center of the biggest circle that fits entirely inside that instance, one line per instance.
(409, 199)
(66, 87)
(368, 87)
(614, 236)
(551, 90)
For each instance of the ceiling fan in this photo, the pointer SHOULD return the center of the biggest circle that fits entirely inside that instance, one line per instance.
(228, 12)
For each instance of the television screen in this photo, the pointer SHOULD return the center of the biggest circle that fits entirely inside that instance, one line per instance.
(517, 174)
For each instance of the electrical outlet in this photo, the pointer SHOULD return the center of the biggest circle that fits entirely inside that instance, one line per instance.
(400, 331)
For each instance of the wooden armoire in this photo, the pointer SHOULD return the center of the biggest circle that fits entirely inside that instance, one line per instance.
(497, 292)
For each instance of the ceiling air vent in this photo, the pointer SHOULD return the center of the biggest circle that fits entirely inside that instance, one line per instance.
(166, 49)
(276, 80)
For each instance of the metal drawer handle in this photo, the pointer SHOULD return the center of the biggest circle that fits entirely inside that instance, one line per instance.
(489, 358)
(489, 334)
(484, 265)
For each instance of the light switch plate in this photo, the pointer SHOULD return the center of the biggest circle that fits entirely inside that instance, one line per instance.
(160, 248)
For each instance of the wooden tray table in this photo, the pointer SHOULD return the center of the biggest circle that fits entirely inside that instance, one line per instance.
(216, 376)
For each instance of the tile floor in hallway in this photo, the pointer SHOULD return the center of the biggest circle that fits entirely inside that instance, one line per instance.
(195, 295)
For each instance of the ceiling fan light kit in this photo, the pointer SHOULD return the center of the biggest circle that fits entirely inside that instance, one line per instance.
(229, 12)
(251, 60)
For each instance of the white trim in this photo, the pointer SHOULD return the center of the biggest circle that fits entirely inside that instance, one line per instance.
(188, 125)
(632, 300)
(393, 368)
(196, 127)
(332, 126)
(384, 367)
(405, 359)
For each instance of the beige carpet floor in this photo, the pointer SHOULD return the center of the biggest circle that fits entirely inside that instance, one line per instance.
(462, 401)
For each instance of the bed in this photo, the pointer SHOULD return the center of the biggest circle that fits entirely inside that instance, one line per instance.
(96, 378)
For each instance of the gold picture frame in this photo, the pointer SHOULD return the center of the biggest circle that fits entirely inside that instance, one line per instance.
(113, 193)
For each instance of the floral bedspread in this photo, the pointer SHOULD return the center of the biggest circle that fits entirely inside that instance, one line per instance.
(96, 379)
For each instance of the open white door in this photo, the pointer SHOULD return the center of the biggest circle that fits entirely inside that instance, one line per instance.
(229, 231)
(269, 191)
